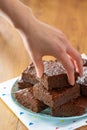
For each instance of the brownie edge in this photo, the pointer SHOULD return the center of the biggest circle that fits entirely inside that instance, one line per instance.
(54, 98)
(22, 84)
(25, 97)
(74, 107)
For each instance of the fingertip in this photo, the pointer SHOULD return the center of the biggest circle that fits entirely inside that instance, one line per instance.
(71, 78)
(72, 82)
(81, 73)
(39, 74)
(78, 59)
(39, 68)
(80, 69)
(70, 68)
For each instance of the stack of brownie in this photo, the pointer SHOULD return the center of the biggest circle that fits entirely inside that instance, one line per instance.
(52, 90)
(28, 77)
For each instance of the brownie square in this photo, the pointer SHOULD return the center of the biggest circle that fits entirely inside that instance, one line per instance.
(25, 97)
(55, 75)
(75, 107)
(29, 74)
(57, 97)
(82, 81)
(23, 84)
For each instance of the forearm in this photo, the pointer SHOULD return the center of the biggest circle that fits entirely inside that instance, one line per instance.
(18, 13)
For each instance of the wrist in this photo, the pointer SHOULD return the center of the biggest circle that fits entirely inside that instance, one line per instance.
(24, 17)
(27, 20)
(20, 14)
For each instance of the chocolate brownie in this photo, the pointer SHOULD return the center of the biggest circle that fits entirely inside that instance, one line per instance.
(83, 82)
(29, 74)
(84, 61)
(56, 97)
(23, 84)
(75, 107)
(54, 75)
(25, 97)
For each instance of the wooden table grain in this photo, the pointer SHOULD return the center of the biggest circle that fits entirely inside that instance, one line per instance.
(68, 15)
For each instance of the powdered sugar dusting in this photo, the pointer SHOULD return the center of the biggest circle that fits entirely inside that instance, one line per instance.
(83, 80)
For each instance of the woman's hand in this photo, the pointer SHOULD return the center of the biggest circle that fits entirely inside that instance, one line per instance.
(46, 40)
(42, 39)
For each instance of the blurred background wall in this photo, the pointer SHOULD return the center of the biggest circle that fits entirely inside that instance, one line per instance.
(68, 15)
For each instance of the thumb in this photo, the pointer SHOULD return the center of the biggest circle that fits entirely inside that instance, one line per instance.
(39, 67)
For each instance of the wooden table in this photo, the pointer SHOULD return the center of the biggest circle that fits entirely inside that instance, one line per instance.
(8, 121)
(67, 15)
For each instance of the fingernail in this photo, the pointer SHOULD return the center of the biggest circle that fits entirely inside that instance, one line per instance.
(81, 74)
(72, 82)
(39, 75)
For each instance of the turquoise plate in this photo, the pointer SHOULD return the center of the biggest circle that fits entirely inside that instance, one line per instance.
(43, 114)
